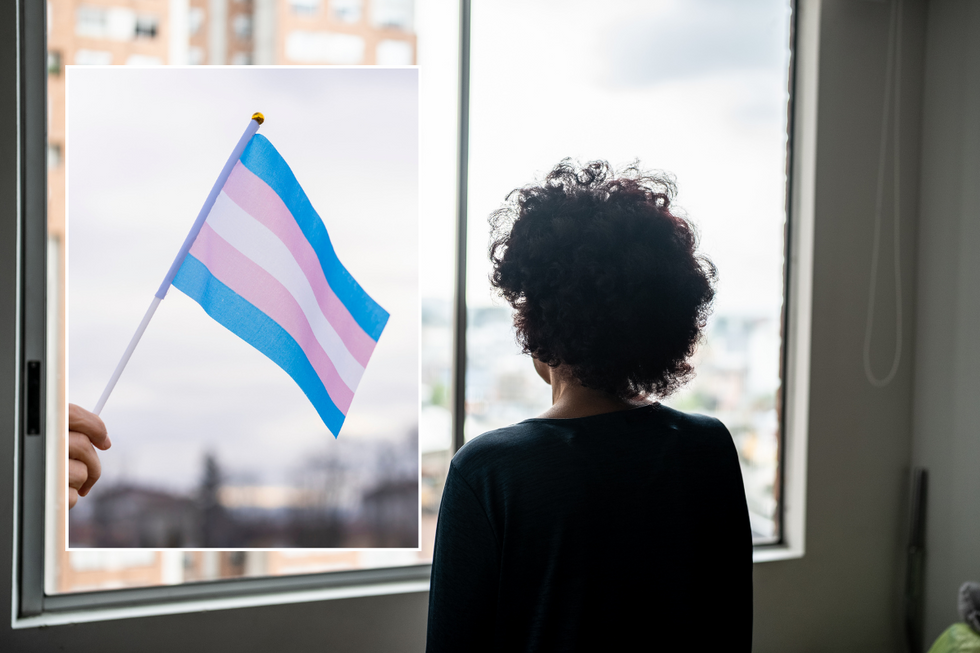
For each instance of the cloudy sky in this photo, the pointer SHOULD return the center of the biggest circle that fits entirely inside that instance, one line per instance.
(144, 148)
(696, 88)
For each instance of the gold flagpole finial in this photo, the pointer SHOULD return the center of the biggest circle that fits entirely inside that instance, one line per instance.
(258, 117)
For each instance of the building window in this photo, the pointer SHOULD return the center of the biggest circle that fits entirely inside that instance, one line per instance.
(54, 156)
(241, 59)
(143, 60)
(324, 47)
(113, 23)
(91, 22)
(394, 53)
(195, 56)
(346, 11)
(242, 25)
(87, 57)
(54, 63)
(392, 14)
(104, 560)
(195, 19)
(146, 27)
(305, 7)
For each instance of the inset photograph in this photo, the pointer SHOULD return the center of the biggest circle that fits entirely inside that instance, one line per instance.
(242, 307)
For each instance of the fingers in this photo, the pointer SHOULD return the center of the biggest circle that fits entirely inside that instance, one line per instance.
(89, 424)
(77, 474)
(72, 497)
(84, 468)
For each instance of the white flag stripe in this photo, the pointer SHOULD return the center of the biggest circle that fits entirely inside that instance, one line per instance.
(255, 241)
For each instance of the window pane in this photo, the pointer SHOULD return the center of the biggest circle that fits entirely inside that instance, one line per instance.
(698, 89)
(223, 32)
(438, 26)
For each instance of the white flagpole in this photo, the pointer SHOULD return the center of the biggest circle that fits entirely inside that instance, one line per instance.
(253, 126)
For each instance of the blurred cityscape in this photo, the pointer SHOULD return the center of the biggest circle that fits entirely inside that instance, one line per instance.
(366, 495)
(737, 381)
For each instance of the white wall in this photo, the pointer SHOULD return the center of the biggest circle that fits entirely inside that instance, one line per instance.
(845, 593)
(946, 422)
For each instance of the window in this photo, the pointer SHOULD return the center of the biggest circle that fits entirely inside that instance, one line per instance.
(242, 24)
(195, 18)
(324, 47)
(70, 572)
(496, 384)
(729, 70)
(392, 14)
(54, 156)
(88, 57)
(91, 21)
(712, 93)
(305, 7)
(143, 60)
(54, 62)
(394, 53)
(346, 11)
(112, 23)
(146, 27)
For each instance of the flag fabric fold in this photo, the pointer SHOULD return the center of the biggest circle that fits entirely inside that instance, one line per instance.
(263, 266)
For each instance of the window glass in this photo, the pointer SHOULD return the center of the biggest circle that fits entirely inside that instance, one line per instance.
(305, 7)
(99, 35)
(195, 18)
(604, 69)
(392, 14)
(242, 24)
(146, 26)
(54, 156)
(54, 63)
(324, 47)
(697, 89)
(347, 11)
(437, 56)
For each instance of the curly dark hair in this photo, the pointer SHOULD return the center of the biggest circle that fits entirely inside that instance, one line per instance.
(603, 277)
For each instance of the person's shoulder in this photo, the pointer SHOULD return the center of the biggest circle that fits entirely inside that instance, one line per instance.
(699, 430)
(693, 422)
(496, 445)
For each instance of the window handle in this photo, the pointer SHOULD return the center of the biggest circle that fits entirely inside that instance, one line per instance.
(33, 397)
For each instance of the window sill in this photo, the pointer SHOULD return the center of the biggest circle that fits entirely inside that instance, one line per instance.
(774, 553)
(156, 601)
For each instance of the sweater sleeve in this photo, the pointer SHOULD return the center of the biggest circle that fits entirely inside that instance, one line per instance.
(465, 569)
(728, 567)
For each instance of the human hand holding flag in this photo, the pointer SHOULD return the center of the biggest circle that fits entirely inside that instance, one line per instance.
(260, 262)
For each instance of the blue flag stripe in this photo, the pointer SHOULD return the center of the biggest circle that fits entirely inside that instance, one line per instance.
(253, 326)
(266, 163)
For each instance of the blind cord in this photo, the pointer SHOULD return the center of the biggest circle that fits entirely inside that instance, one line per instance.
(894, 63)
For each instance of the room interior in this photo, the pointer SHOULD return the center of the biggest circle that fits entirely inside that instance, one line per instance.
(843, 589)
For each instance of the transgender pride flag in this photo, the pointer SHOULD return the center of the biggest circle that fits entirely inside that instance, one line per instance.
(263, 266)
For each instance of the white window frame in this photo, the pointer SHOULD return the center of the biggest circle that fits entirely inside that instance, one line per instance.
(801, 195)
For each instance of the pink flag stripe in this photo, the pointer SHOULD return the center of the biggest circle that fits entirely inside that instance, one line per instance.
(256, 198)
(263, 291)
